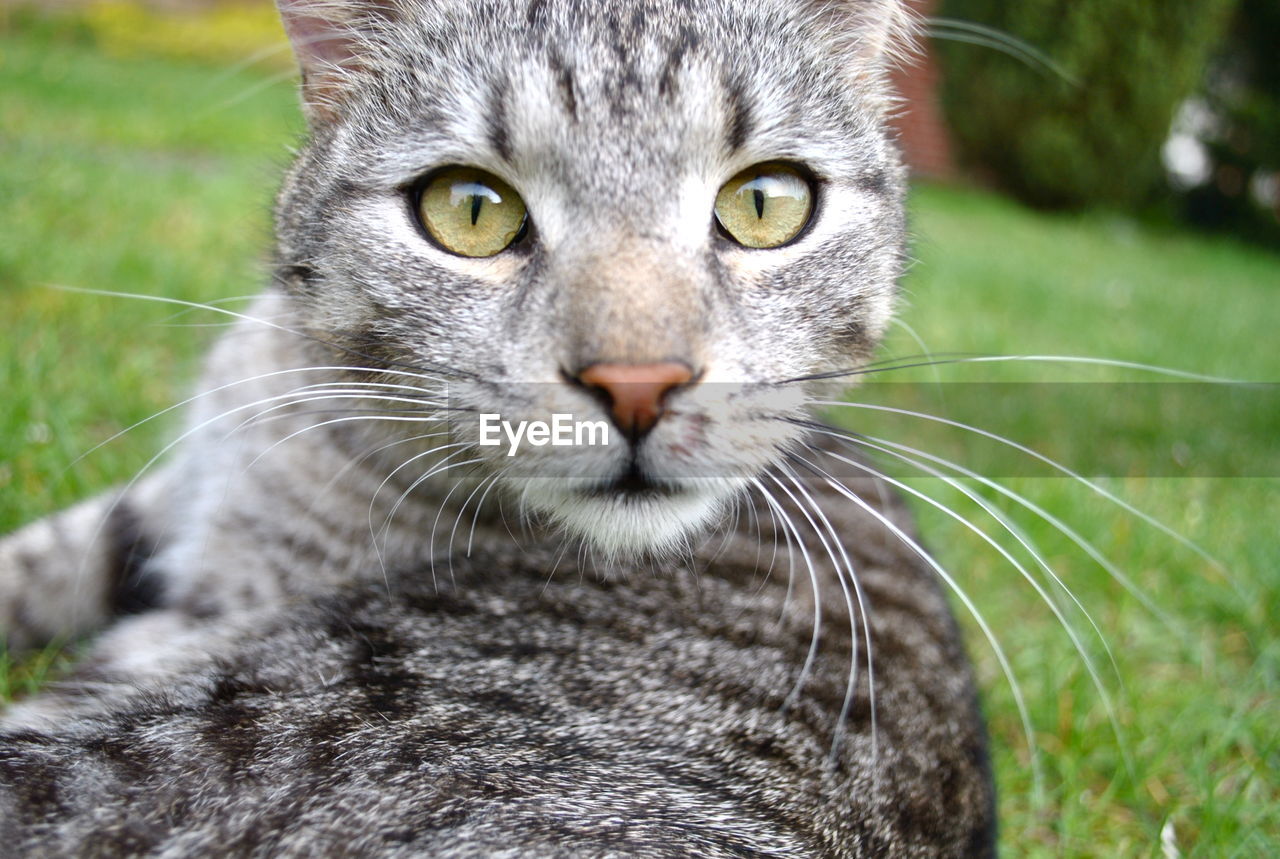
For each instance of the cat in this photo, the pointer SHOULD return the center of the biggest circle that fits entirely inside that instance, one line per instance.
(669, 220)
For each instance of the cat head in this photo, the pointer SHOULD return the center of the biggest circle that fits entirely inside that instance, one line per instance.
(647, 213)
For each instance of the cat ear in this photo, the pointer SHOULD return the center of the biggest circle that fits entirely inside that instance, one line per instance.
(328, 38)
(870, 36)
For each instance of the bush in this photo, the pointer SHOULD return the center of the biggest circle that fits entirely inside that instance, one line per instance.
(1093, 138)
(1241, 133)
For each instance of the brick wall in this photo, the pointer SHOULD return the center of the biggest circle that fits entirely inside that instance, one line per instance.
(926, 144)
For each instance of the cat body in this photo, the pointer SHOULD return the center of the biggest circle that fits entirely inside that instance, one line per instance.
(509, 711)
(689, 640)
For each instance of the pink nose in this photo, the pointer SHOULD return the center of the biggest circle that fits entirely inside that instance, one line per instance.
(636, 391)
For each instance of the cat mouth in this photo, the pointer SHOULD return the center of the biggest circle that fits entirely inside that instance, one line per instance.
(631, 483)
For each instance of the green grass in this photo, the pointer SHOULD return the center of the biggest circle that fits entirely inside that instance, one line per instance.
(153, 175)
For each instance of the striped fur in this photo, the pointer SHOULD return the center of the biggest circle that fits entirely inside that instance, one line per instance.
(317, 639)
(509, 712)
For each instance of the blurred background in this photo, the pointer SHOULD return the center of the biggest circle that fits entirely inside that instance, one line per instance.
(1095, 178)
(1168, 111)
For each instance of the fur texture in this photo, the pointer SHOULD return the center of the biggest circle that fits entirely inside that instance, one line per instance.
(342, 648)
(509, 713)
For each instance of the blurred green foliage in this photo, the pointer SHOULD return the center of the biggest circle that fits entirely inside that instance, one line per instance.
(127, 28)
(1092, 136)
(1242, 97)
(230, 31)
(134, 172)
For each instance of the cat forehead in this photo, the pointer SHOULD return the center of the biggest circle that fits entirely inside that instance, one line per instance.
(645, 85)
(609, 53)
(614, 31)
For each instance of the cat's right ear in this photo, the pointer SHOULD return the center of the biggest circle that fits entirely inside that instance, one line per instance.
(331, 39)
(868, 37)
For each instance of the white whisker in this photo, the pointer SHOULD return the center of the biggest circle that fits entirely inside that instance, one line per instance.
(373, 500)
(220, 388)
(852, 682)
(1070, 630)
(487, 481)
(1100, 490)
(1062, 527)
(812, 655)
(1084, 360)
(480, 504)
(967, 602)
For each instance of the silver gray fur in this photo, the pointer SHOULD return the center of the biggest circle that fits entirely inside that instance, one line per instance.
(616, 674)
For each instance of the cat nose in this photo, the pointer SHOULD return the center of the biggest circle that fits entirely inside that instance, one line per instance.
(635, 393)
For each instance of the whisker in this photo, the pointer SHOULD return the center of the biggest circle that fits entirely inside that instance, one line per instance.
(359, 460)
(245, 381)
(435, 524)
(425, 405)
(850, 438)
(729, 531)
(928, 353)
(1070, 630)
(372, 418)
(480, 504)
(248, 92)
(296, 398)
(851, 684)
(812, 655)
(326, 413)
(756, 529)
(356, 461)
(164, 299)
(150, 463)
(871, 369)
(1100, 490)
(967, 602)
(502, 517)
(791, 567)
(968, 32)
(441, 468)
(462, 511)
(373, 500)
(245, 62)
(555, 565)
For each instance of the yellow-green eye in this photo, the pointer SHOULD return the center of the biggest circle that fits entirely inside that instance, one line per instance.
(765, 206)
(470, 212)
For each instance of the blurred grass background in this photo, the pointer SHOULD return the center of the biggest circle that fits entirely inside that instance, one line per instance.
(139, 153)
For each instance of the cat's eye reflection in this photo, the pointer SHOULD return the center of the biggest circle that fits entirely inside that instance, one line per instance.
(470, 212)
(765, 206)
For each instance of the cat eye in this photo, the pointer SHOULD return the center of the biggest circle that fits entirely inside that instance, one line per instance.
(470, 212)
(765, 206)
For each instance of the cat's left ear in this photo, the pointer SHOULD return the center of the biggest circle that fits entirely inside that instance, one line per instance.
(869, 36)
(331, 39)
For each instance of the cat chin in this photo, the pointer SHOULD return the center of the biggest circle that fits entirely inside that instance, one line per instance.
(625, 525)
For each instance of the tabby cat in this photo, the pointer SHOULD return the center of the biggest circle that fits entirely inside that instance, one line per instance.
(338, 621)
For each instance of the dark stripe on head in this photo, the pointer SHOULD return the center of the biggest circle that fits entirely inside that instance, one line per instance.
(499, 134)
(564, 83)
(684, 45)
(741, 123)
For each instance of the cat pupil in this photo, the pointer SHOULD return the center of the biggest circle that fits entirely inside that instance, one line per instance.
(759, 198)
(473, 194)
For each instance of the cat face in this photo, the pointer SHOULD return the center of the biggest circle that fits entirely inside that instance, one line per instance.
(600, 136)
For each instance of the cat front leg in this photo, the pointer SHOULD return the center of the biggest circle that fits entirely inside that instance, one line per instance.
(70, 573)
